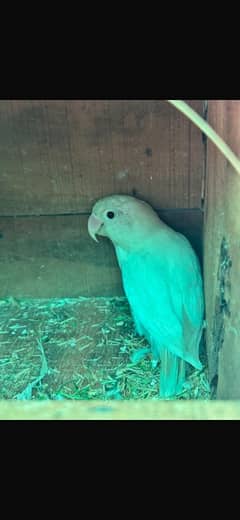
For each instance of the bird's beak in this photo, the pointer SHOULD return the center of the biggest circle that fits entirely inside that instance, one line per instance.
(94, 224)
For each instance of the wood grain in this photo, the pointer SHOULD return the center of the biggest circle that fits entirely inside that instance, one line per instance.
(221, 258)
(47, 257)
(60, 156)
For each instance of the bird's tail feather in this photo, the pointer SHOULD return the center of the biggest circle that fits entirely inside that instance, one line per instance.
(172, 374)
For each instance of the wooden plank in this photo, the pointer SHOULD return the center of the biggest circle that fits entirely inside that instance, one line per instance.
(46, 257)
(60, 156)
(222, 259)
(43, 257)
(124, 410)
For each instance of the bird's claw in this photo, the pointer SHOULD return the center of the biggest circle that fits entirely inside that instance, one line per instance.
(139, 354)
(154, 363)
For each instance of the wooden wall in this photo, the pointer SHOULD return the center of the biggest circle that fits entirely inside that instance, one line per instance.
(58, 157)
(222, 254)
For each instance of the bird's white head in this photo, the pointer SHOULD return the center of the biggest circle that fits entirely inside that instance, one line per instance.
(128, 222)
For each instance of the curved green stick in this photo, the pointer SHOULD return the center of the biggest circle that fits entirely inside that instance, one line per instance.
(208, 130)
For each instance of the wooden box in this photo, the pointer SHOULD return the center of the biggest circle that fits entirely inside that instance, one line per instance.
(58, 157)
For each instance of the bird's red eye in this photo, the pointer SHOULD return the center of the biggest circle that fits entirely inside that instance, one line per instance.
(110, 214)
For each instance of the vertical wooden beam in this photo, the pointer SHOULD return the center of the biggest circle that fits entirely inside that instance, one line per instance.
(222, 254)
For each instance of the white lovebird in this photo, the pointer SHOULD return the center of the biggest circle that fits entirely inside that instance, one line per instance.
(162, 281)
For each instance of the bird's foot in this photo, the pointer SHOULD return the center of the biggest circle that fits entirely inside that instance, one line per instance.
(154, 363)
(138, 355)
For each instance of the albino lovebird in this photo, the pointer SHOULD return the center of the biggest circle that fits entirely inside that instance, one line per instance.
(162, 281)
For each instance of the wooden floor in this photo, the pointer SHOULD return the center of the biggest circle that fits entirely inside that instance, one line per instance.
(125, 410)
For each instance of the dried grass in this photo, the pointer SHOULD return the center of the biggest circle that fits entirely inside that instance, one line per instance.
(77, 349)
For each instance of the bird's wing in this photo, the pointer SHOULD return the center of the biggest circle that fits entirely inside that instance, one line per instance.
(163, 286)
(189, 282)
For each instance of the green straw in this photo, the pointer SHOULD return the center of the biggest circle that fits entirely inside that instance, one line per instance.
(208, 130)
